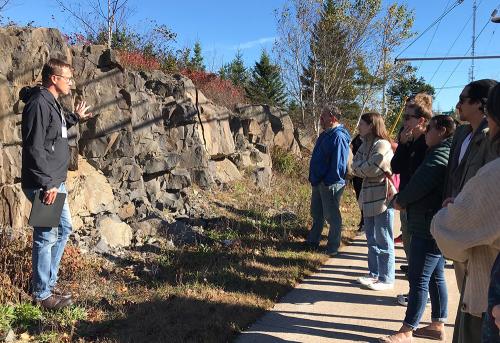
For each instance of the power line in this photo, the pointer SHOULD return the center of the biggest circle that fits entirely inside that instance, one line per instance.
(458, 2)
(451, 47)
(458, 64)
(433, 35)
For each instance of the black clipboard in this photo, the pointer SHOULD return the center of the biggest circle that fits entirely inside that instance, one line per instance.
(43, 215)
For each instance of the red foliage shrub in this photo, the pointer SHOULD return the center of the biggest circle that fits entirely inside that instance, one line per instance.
(76, 39)
(137, 60)
(221, 92)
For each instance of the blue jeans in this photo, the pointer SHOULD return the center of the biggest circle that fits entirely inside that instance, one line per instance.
(380, 241)
(426, 276)
(48, 248)
(325, 204)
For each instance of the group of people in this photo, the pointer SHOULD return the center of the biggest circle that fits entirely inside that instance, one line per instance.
(443, 176)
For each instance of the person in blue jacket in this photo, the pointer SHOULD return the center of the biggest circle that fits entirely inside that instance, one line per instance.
(327, 173)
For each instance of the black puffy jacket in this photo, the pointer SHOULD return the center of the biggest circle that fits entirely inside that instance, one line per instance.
(45, 151)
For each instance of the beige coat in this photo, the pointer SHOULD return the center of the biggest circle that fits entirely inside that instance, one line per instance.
(469, 230)
(372, 162)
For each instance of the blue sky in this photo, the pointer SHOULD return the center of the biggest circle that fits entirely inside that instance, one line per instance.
(223, 26)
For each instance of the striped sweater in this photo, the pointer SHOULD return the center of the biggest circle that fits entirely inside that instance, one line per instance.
(469, 231)
(372, 162)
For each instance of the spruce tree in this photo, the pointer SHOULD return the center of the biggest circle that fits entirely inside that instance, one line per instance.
(266, 85)
(197, 59)
(237, 72)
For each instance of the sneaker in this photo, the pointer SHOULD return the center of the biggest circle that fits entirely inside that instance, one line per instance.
(367, 280)
(398, 239)
(380, 286)
(403, 300)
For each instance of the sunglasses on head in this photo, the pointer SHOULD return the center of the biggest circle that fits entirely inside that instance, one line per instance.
(408, 117)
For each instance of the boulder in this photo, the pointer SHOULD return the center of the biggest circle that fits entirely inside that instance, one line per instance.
(178, 179)
(262, 177)
(225, 171)
(114, 231)
(89, 191)
(267, 125)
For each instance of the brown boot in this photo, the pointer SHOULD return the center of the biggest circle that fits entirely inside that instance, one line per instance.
(54, 302)
(61, 293)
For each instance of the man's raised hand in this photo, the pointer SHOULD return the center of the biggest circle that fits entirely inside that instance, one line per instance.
(81, 110)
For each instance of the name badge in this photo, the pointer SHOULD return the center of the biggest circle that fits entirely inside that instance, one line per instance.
(64, 132)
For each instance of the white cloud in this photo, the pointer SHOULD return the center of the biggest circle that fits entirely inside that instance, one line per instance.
(254, 43)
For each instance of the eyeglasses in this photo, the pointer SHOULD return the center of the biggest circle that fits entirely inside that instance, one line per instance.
(68, 79)
(408, 117)
(461, 99)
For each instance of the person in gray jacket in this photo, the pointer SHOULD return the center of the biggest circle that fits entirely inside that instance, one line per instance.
(45, 160)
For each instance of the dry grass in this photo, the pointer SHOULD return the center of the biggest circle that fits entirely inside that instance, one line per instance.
(204, 293)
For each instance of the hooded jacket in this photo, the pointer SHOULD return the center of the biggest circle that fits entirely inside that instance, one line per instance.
(329, 158)
(45, 151)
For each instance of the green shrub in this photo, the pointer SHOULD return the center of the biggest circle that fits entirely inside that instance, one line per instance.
(285, 163)
(6, 317)
(26, 315)
(67, 316)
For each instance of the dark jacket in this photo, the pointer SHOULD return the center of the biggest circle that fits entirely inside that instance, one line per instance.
(329, 158)
(423, 195)
(476, 156)
(45, 151)
(407, 158)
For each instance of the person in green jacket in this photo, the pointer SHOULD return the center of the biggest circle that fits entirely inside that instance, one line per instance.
(422, 198)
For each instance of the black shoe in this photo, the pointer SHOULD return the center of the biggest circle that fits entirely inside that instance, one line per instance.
(404, 268)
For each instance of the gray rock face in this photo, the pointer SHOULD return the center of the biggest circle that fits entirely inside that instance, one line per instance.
(152, 136)
(267, 125)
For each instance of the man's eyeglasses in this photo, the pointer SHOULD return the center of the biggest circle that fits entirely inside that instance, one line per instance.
(68, 79)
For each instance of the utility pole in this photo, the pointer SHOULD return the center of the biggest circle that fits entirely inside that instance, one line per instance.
(473, 52)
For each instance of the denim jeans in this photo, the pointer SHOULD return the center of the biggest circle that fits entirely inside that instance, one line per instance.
(48, 248)
(426, 276)
(380, 241)
(325, 204)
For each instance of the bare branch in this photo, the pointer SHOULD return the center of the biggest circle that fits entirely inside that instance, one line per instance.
(79, 17)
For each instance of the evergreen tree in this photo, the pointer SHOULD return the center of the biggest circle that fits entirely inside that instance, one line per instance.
(237, 72)
(197, 59)
(265, 85)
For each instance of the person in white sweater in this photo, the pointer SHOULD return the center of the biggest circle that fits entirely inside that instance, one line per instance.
(372, 162)
(468, 228)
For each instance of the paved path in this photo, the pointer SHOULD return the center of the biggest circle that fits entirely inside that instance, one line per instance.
(330, 307)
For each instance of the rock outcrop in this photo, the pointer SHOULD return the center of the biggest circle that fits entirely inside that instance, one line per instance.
(151, 138)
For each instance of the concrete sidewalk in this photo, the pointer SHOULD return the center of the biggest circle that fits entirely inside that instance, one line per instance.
(330, 307)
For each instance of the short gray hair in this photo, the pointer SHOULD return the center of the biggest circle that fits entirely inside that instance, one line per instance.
(333, 110)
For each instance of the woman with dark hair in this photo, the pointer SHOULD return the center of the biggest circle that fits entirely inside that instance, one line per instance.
(372, 162)
(421, 198)
(467, 230)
